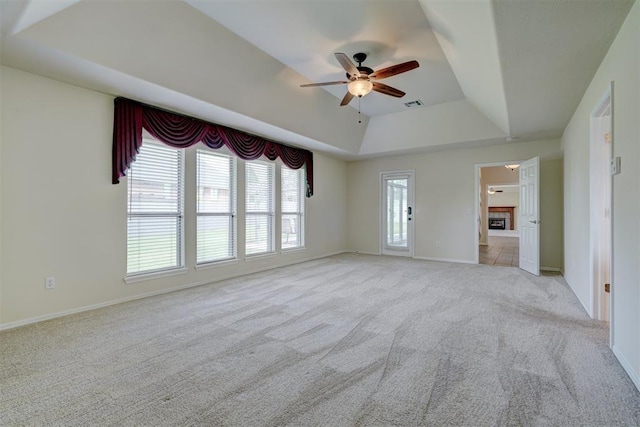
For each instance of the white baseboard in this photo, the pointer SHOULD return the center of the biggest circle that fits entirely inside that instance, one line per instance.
(365, 253)
(457, 261)
(627, 367)
(24, 322)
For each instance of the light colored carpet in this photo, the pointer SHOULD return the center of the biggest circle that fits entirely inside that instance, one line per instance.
(345, 340)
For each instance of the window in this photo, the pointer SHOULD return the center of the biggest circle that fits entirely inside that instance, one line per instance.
(259, 207)
(155, 209)
(292, 208)
(216, 207)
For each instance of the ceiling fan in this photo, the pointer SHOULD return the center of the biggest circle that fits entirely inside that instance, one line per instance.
(361, 79)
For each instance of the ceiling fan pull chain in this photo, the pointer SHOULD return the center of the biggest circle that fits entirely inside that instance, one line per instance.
(359, 117)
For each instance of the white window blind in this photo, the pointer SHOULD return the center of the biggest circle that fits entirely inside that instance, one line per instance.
(216, 207)
(155, 209)
(259, 207)
(292, 202)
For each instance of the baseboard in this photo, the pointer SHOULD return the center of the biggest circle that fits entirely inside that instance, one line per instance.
(456, 261)
(364, 253)
(627, 367)
(554, 269)
(24, 322)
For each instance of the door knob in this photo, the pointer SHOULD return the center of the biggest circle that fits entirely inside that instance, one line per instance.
(534, 222)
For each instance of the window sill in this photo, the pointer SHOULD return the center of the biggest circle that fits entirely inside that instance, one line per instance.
(292, 250)
(152, 276)
(216, 264)
(260, 256)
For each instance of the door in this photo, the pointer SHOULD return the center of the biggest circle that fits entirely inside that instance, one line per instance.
(529, 218)
(600, 216)
(397, 213)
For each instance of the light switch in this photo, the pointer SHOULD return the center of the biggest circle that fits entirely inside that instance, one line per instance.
(615, 166)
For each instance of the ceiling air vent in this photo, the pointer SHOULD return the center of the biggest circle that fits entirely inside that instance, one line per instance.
(412, 104)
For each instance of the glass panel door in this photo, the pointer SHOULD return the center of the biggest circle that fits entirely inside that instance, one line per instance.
(397, 189)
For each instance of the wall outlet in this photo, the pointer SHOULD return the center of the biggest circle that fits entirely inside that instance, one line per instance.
(50, 283)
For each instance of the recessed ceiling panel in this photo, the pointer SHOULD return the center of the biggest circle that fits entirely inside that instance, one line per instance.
(304, 35)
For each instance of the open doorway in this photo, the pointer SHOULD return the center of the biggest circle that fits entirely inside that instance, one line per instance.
(498, 209)
(499, 204)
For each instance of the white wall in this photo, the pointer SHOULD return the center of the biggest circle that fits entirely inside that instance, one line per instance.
(62, 217)
(1, 180)
(621, 65)
(444, 210)
(504, 199)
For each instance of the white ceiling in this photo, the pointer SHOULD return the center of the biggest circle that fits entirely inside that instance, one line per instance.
(305, 34)
(489, 69)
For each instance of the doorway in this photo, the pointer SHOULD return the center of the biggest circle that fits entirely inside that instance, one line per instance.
(397, 213)
(502, 244)
(526, 175)
(601, 140)
(498, 210)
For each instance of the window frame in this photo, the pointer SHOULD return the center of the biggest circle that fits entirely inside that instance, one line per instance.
(232, 212)
(179, 215)
(299, 213)
(270, 213)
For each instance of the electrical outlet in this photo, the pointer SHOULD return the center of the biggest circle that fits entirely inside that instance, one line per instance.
(50, 283)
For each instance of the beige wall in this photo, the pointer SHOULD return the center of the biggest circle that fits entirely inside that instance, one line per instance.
(551, 227)
(61, 217)
(444, 210)
(622, 66)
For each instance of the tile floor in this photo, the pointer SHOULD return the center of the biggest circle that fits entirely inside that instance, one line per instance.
(504, 251)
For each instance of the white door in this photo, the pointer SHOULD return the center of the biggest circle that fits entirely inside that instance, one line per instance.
(397, 213)
(600, 199)
(529, 218)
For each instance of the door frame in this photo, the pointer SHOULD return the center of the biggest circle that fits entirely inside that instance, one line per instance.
(476, 202)
(382, 204)
(598, 298)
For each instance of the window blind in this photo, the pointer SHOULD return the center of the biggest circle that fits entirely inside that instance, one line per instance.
(216, 207)
(292, 203)
(259, 207)
(155, 209)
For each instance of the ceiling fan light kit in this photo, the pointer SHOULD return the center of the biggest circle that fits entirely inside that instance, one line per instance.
(361, 79)
(512, 167)
(359, 87)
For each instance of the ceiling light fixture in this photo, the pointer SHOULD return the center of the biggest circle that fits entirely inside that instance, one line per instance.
(512, 167)
(360, 88)
(491, 190)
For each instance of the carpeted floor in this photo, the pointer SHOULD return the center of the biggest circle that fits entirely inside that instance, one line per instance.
(345, 340)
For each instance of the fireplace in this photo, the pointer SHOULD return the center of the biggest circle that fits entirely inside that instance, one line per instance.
(497, 223)
(505, 213)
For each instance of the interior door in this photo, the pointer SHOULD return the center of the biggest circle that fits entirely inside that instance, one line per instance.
(529, 218)
(600, 200)
(397, 213)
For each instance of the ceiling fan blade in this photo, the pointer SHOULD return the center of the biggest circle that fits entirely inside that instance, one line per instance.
(346, 63)
(347, 99)
(324, 84)
(387, 90)
(394, 69)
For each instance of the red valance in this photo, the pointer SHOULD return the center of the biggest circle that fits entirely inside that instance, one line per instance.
(181, 131)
